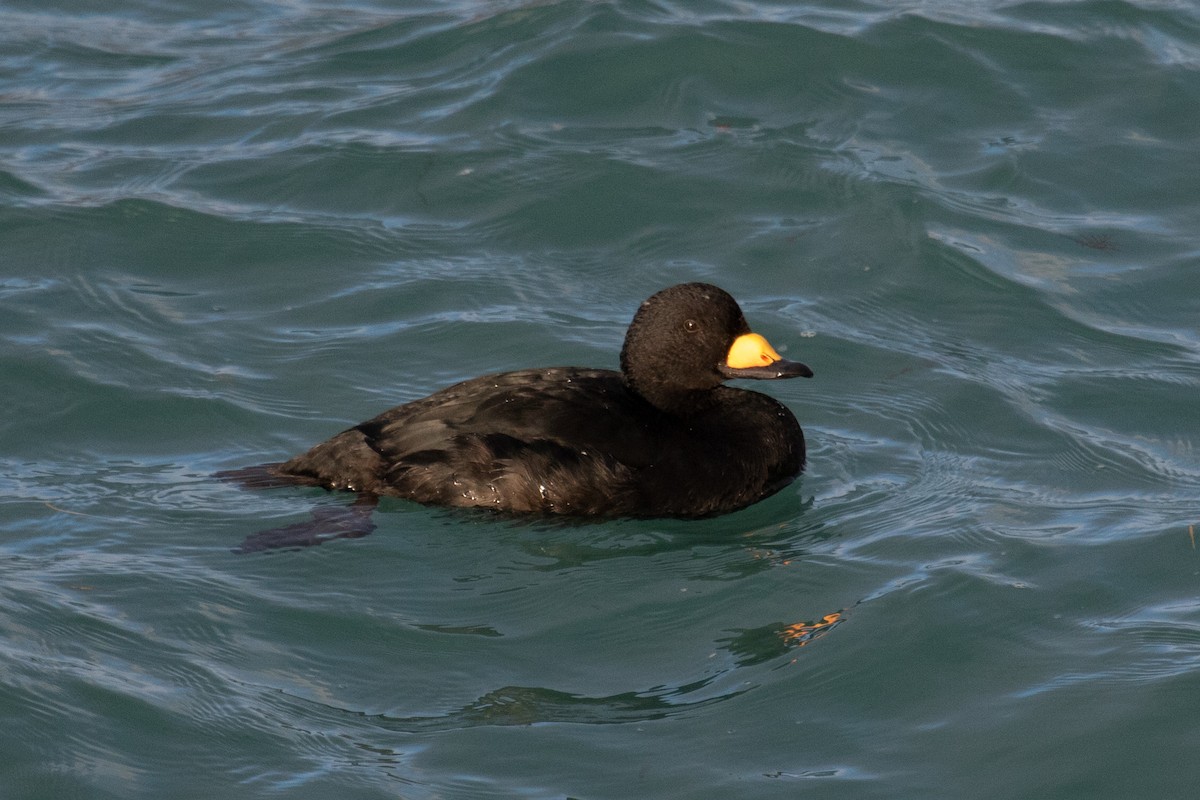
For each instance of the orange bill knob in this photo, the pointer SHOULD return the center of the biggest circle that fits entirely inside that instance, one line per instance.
(751, 356)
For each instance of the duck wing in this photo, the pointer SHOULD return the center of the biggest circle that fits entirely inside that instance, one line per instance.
(558, 440)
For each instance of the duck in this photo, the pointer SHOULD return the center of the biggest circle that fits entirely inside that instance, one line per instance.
(663, 437)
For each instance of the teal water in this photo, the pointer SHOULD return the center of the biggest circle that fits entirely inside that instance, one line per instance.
(229, 229)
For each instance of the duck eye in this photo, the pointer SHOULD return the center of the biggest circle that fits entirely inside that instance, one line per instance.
(690, 326)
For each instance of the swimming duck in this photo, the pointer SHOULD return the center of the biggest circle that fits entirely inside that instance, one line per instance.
(661, 438)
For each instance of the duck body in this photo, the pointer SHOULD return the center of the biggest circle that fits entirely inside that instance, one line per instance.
(661, 438)
(564, 440)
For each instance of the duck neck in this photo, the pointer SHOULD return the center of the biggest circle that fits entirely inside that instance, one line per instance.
(673, 400)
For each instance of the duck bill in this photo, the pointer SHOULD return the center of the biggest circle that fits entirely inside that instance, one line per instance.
(751, 356)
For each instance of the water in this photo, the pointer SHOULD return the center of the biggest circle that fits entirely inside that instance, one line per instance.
(228, 230)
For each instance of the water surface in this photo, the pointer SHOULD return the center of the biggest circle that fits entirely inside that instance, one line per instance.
(228, 230)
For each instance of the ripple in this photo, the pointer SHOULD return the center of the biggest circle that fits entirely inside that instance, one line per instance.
(516, 705)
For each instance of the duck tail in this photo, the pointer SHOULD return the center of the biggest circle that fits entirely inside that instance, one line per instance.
(261, 476)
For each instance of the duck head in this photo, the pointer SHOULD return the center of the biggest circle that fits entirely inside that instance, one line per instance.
(687, 339)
